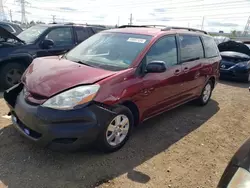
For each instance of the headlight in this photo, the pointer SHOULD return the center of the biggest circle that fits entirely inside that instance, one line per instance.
(73, 97)
(241, 179)
(243, 64)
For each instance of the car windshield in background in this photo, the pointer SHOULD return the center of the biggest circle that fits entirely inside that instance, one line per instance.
(31, 34)
(110, 51)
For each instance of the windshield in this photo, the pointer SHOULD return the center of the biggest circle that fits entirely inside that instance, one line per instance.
(31, 34)
(110, 51)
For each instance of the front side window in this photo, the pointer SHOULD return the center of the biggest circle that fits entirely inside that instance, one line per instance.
(110, 51)
(163, 50)
(211, 49)
(61, 36)
(191, 48)
(31, 34)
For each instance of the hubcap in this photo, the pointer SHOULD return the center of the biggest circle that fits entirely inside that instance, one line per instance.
(117, 130)
(206, 93)
(13, 76)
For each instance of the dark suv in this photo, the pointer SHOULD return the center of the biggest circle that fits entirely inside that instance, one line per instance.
(11, 27)
(17, 52)
(114, 80)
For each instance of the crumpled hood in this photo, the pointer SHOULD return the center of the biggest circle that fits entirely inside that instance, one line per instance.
(50, 75)
(7, 35)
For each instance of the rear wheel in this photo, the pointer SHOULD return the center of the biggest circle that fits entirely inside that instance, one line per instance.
(117, 131)
(10, 74)
(205, 94)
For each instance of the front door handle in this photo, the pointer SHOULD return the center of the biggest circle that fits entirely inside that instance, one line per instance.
(186, 69)
(177, 71)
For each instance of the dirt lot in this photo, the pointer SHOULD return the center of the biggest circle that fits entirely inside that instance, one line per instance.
(186, 147)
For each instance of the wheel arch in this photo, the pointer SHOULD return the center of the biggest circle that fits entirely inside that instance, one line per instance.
(134, 109)
(23, 59)
(213, 80)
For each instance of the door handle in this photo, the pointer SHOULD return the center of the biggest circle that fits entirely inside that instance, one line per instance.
(186, 69)
(177, 71)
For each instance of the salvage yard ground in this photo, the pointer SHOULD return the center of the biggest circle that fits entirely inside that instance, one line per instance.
(186, 147)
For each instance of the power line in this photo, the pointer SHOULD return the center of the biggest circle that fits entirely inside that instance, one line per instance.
(170, 8)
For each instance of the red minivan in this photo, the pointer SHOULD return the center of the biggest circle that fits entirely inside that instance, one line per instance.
(101, 89)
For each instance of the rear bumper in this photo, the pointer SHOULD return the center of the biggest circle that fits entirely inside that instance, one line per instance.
(58, 129)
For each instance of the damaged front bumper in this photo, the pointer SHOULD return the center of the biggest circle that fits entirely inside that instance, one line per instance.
(57, 129)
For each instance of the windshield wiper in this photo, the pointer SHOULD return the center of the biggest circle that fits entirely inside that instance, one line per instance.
(81, 62)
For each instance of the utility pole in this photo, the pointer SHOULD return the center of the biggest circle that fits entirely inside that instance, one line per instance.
(131, 19)
(246, 27)
(53, 18)
(202, 24)
(23, 11)
(118, 21)
(11, 16)
(2, 14)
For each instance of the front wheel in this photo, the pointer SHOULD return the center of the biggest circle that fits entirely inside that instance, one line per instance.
(117, 131)
(205, 94)
(10, 74)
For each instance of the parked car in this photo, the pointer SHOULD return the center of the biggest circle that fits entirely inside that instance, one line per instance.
(235, 64)
(116, 79)
(13, 28)
(237, 173)
(17, 52)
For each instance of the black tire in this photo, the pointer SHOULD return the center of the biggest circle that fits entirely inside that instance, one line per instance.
(102, 143)
(200, 101)
(5, 82)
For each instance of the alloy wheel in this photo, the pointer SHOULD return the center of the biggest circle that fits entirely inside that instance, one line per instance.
(117, 130)
(206, 93)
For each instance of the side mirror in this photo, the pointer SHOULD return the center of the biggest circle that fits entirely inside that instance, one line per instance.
(156, 67)
(47, 43)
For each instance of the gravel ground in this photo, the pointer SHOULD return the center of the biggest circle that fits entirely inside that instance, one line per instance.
(186, 147)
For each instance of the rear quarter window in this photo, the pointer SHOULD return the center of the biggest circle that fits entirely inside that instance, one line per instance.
(211, 49)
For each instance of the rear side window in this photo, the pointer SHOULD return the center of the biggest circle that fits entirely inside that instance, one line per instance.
(81, 33)
(90, 31)
(191, 48)
(211, 49)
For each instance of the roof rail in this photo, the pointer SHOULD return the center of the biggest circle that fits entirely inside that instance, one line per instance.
(124, 26)
(93, 25)
(186, 28)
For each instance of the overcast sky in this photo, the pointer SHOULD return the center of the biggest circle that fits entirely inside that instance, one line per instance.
(218, 15)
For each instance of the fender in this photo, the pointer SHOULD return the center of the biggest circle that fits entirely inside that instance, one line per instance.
(28, 58)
